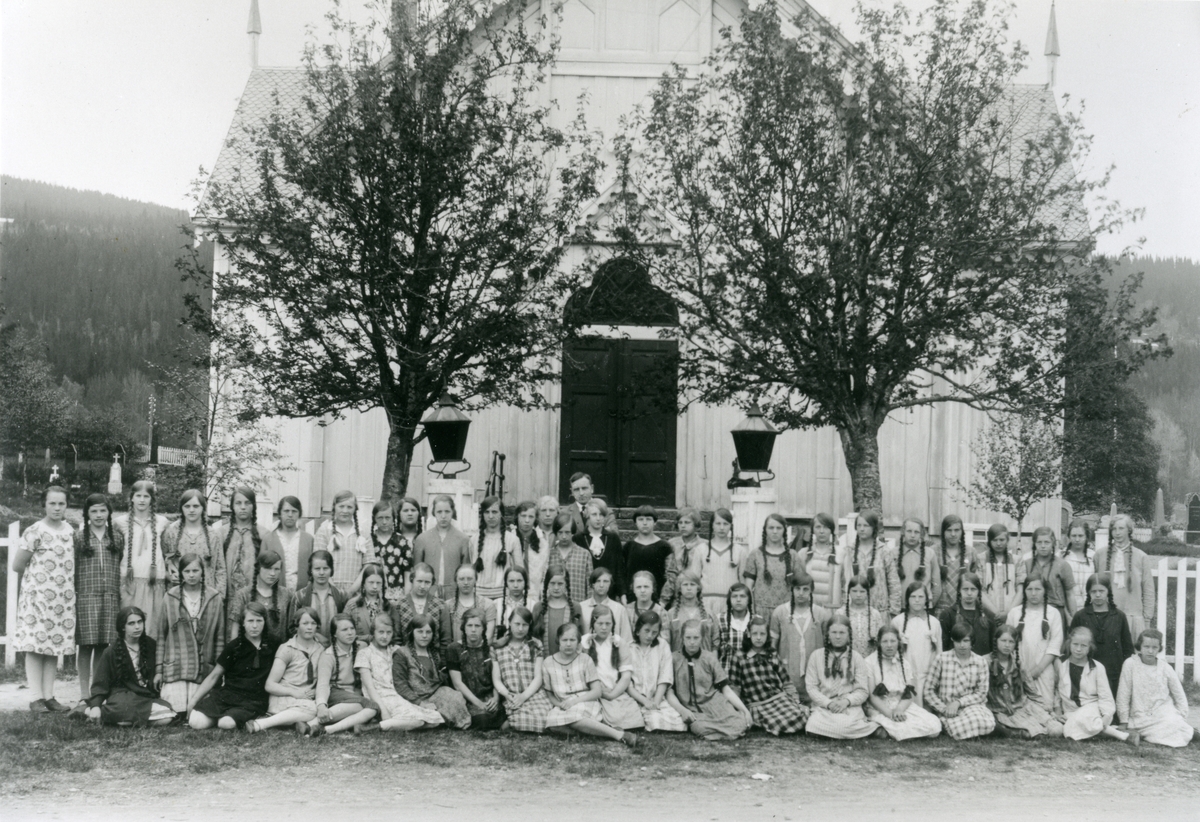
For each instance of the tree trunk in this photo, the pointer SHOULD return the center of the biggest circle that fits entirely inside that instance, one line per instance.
(860, 446)
(398, 465)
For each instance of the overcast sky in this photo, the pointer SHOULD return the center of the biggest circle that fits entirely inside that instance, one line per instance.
(132, 97)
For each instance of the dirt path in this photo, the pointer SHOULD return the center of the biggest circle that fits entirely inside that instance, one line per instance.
(344, 791)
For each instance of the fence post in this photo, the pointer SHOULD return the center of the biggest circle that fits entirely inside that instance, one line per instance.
(10, 604)
(1196, 627)
(1180, 614)
(1160, 620)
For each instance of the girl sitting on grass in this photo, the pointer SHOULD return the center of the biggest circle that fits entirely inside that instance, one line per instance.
(893, 688)
(838, 686)
(761, 681)
(653, 675)
(1085, 702)
(1016, 714)
(610, 653)
(374, 666)
(1040, 630)
(517, 676)
(957, 689)
(1151, 698)
(469, 665)
(420, 676)
(710, 708)
(341, 705)
(292, 682)
(1109, 627)
(234, 692)
(124, 691)
(573, 687)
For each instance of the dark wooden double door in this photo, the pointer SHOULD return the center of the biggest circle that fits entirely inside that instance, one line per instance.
(619, 417)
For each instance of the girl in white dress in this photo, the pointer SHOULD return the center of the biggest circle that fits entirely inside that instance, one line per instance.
(1085, 700)
(893, 690)
(837, 683)
(920, 634)
(610, 653)
(1151, 698)
(1040, 629)
(653, 675)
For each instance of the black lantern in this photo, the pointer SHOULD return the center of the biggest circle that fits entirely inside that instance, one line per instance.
(446, 428)
(754, 439)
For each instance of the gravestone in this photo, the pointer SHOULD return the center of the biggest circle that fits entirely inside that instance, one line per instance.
(1193, 526)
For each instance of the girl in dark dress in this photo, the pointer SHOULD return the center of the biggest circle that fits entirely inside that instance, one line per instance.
(123, 688)
(470, 666)
(1109, 626)
(235, 692)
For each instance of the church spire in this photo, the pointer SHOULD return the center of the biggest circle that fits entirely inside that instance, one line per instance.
(1051, 50)
(254, 28)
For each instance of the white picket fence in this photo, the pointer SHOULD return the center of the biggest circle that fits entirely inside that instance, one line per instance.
(10, 541)
(1176, 636)
(172, 456)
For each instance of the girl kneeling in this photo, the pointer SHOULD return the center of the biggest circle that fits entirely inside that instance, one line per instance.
(761, 681)
(893, 680)
(837, 685)
(123, 687)
(573, 686)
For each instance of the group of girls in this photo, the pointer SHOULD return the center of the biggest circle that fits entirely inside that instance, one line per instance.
(529, 628)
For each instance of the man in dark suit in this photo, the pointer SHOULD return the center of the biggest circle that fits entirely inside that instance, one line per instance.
(582, 490)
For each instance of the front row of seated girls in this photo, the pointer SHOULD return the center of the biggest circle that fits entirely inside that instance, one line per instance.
(603, 685)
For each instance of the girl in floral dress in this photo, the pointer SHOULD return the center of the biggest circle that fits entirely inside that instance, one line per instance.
(393, 546)
(517, 676)
(45, 626)
(97, 586)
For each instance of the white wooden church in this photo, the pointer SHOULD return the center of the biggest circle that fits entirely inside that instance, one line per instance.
(616, 50)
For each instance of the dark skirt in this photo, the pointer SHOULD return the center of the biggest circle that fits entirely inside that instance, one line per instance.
(345, 696)
(127, 708)
(221, 702)
(486, 720)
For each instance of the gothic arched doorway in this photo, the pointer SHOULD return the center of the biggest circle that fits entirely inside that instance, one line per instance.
(620, 388)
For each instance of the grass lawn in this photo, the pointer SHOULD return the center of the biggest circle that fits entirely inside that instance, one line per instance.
(41, 754)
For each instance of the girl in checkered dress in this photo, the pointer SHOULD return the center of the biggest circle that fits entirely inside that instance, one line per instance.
(732, 624)
(893, 688)
(761, 680)
(838, 686)
(956, 688)
(517, 675)
(97, 586)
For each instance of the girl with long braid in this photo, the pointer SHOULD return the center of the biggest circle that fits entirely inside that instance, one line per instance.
(969, 610)
(823, 560)
(1040, 630)
(1016, 714)
(957, 557)
(1109, 626)
(865, 620)
(723, 560)
(342, 537)
(469, 664)
(516, 595)
(916, 562)
(614, 663)
(269, 591)
(495, 549)
(1045, 562)
(420, 676)
(124, 691)
(999, 574)
(190, 534)
(1134, 589)
(869, 553)
(1080, 556)
(689, 607)
(241, 540)
(893, 702)
(375, 667)
(920, 633)
(1085, 702)
(97, 586)
(370, 601)
(797, 628)
(838, 686)
(957, 689)
(555, 608)
(193, 634)
(535, 552)
(466, 597)
(768, 571)
(732, 624)
(341, 704)
(144, 574)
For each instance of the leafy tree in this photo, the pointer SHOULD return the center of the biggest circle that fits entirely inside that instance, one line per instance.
(845, 254)
(33, 408)
(398, 236)
(1018, 461)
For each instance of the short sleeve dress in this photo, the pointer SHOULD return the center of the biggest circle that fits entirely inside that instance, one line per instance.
(621, 712)
(376, 663)
(653, 667)
(46, 608)
(566, 680)
(474, 665)
(518, 664)
(300, 671)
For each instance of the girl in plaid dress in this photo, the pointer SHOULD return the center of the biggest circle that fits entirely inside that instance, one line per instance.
(517, 676)
(342, 537)
(732, 624)
(838, 686)
(761, 680)
(421, 598)
(97, 586)
(893, 687)
(957, 688)
(573, 687)
(653, 675)
(374, 665)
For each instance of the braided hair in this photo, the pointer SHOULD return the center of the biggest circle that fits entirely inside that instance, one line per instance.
(255, 538)
(993, 533)
(468, 615)
(372, 568)
(881, 690)
(184, 562)
(457, 571)
(1103, 578)
(1089, 538)
(400, 507)
(948, 522)
(919, 576)
(269, 559)
(613, 657)
(831, 525)
(186, 497)
(143, 674)
(725, 516)
(502, 555)
(501, 622)
(529, 542)
(848, 672)
(142, 486)
(332, 649)
(1025, 602)
(873, 519)
(996, 666)
(86, 549)
(762, 547)
(338, 499)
